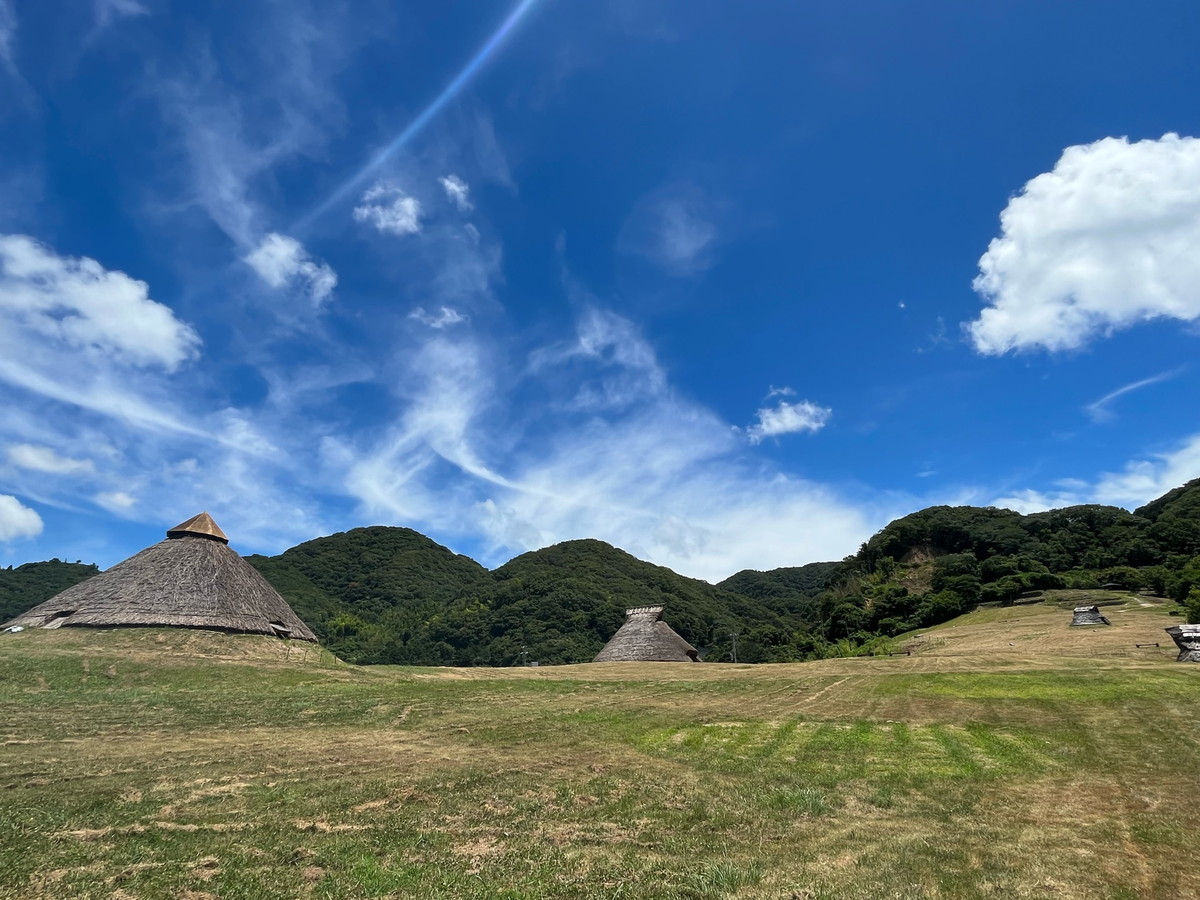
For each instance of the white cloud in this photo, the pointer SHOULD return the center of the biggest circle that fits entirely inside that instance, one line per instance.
(8, 36)
(623, 459)
(458, 192)
(106, 12)
(79, 304)
(1100, 411)
(44, 459)
(674, 227)
(388, 209)
(116, 501)
(788, 418)
(1140, 481)
(17, 520)
(446, 316)
(1109, 238)
(280, 261)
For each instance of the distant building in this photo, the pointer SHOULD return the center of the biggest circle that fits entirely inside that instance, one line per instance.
(645, 637)
(1088, 615)
(193, 579)
(1187, 639)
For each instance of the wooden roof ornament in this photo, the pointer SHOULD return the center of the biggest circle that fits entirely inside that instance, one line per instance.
(645, 637)
(193, 579)
(199, 526)
(1088, 615)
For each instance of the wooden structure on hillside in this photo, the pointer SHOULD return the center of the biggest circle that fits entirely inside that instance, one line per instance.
(193, 579)
(1088, 615)
(1187, 639)
(645, 637)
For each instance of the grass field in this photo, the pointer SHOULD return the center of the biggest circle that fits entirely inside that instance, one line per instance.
(1009, 756)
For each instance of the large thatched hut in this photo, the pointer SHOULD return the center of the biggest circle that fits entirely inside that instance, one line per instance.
(645, 637)
(193, 579)
(1187, 639)
(1088, 615)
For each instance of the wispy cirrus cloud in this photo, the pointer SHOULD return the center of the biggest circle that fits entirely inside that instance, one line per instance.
(1141, 480)
(8, 37)
(1101, 410)
(444, 318)
(45, 459)
(675, 227)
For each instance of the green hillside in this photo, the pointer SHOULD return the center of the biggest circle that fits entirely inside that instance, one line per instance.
(371, 594)
(26, 586)
(791, 590)
(392, 595)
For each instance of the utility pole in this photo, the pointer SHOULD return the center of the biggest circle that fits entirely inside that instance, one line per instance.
(524, 655)
(733, 634)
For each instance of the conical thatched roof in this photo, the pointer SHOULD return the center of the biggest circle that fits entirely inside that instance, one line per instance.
(645, 637)
(193, 579)
(1187, 639)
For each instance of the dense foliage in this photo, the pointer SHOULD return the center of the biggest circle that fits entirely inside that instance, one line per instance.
(28, 585)
(391, 595)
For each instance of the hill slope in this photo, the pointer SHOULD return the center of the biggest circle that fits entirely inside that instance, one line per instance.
(26, 586)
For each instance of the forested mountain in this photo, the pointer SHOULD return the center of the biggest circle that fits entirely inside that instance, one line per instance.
(392, 595)
(793, 590)
(26, 586)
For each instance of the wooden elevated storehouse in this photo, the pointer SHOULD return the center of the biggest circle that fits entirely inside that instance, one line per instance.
(1088, 615)
(645, 637)
(193, 579)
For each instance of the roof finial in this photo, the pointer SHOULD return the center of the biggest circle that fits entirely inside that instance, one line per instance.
(199, 526)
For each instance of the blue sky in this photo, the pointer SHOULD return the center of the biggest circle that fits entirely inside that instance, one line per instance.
(727, 286)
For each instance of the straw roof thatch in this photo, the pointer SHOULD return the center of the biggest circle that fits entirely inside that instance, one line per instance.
(1088, 615)
(193, 579)
(1187, 639)
(645, 637)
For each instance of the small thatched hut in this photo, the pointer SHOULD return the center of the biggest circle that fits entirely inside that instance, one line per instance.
(1187, 639)
(645, 637)
(1088, 615)
(193, 579)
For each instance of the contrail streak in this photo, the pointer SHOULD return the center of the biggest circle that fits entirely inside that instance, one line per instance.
(416, 125)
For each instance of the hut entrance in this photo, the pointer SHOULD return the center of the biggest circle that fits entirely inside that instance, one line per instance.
(58, 619)
(281, 630)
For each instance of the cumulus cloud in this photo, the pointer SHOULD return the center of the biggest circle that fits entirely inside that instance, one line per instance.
(281, 261)
(1107, 239)
(444, 318)
(674, 227)
(44, 459)
(458, 192)
(17, 520)
(788, 418)
(388, 209)
(78, 303)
